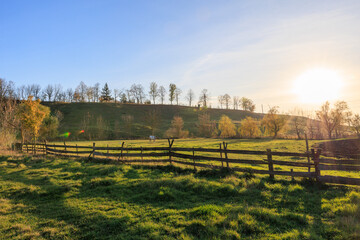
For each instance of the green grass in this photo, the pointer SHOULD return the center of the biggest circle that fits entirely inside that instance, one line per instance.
(74, 113)
(56, 198)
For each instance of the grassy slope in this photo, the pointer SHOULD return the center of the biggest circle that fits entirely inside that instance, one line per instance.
(60, 198)
(74, 114)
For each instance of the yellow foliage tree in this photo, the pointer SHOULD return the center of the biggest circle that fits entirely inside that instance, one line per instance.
(31, 115)
(273, 122)
(249, 128)
(176, 129)
(226, 127)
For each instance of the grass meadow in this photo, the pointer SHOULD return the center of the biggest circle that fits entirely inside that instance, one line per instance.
(59, 198)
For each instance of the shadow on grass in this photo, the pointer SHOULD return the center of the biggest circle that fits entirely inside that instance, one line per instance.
(168, 187)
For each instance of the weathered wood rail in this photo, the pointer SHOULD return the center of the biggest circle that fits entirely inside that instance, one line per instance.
(309, 164)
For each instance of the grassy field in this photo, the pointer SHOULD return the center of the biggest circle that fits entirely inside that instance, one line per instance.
(55, 198)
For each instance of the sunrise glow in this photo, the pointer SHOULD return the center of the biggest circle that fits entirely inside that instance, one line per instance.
(318, 85)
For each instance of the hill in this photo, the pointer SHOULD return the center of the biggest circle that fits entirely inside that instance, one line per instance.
(114, 121)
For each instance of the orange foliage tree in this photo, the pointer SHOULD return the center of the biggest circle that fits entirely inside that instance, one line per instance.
(226, 127)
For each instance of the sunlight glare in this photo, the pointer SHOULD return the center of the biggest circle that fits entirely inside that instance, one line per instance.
(318, 85)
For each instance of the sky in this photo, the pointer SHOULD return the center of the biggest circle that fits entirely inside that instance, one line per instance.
(256, 49)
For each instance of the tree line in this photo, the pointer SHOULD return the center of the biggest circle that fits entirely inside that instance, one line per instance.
(135, 94)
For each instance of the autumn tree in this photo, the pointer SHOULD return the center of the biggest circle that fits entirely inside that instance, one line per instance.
(332, 118)
(49, 127)
(176, 129)
(273, 122)
(190, 96)
(31, 115)
(154, 91)
(177, 95)
(249, 128)
(205, 126)
(172, 89)
(226, 127)
(247, 104)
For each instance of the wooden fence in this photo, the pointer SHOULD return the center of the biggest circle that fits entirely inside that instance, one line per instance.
(308, 164)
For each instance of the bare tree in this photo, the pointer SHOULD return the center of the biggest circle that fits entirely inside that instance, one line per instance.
(154, 91)
(96, 92)
(29, 90)
(81, 90)
(177, 95)
(137, 91)
(57, 91)
(70, 94)
(36, 91)
(117, 94)
(221, 100)
(49, 91)
(236, 102)
(204, 97)
(21, 92)
(162, 93)
(172, 88)
(190, 96)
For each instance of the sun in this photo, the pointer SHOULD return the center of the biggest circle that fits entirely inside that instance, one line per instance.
(318, 85)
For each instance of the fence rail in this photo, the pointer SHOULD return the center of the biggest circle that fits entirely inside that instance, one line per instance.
(307, 164)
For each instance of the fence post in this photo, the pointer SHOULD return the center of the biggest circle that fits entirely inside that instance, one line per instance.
(194, 159)
(93, 151)
(141, 153)
(27, 148)
(45, 145)
(170, 146)
(316, 159)
(270, 163)
(121, 154)
(222, 163)
(292, 176)
(107, 146)
(77, 151)
(226, 156)
(65, 148)
(307, 152)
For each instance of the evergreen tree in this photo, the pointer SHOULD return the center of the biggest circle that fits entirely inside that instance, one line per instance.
(106, 94)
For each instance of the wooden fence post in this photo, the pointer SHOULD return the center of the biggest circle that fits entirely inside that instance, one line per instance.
(121, 153)
(27, 148)
(270, 163)
(170, 146)
(307, 152)
(316, 159)
(45, 145)
(292, 176)
(226, 155)
(92, 153)
(77, 151)
(141, 153)
(222, 163)
(194, 159)
(65, 147)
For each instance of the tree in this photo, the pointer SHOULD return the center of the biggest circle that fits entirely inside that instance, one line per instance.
(70, 94)
(273, 122)
(117, 93)
(31, 115)
(176, 129)
(227, 99)
(355, 124)
(332, 118)
(154, 92)
(172, 88)
(177, 95)
(247, 104)
(226, 127)
(236, 102)
(162, 93)
(221, 100)
(137, 91)
(190, 96)
(249, 128)
(96, 92)
(57, 92)
(204, 97)
(206, 127)
(105, 94)
(49, 127)
(49, 91)
(81, 91)
(90, 94)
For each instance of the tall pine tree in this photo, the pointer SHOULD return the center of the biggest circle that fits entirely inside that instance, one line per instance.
(105, 94)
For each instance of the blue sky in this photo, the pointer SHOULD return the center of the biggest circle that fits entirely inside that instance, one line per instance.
(245, 48)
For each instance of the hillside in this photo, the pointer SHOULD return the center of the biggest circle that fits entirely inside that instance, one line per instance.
(110, 118)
